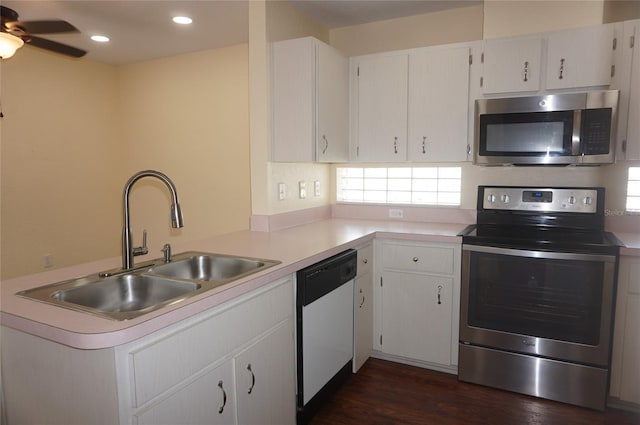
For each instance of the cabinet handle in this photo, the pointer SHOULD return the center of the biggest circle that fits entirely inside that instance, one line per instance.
(525, 73)
(362, 303)
(415, 259)
(364, 260)
(224, 397)
(253, 379)
(326, 144)
(561, 74)
(439, 291)
(395, 145)
(424, 141)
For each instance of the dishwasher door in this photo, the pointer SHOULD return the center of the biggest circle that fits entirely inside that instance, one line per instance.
(327, 338)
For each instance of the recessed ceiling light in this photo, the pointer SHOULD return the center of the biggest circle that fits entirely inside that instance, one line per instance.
(100, 38)
(182, 20)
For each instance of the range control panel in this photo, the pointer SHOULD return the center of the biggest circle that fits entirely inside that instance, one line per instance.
(578, 200)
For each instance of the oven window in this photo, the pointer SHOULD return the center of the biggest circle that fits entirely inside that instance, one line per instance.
(554, 299)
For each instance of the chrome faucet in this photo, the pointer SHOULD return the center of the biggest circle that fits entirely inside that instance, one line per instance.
(128, 251)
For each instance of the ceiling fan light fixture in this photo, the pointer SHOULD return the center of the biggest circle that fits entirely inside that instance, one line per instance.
(9, 43)
(182, 20)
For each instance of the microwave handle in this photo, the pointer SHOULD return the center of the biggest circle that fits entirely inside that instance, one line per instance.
(575, 136)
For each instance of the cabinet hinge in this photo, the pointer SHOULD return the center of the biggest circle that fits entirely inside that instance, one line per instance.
(358, 72)
(481, 81)
(624, 146)
(615, 43)
(357, 151)
(381, 281)
(613, 70)
(380, 339)
(632, 41)
(470, 59)
(482, 58)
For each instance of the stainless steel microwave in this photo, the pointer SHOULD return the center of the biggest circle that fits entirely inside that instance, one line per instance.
(555, 129)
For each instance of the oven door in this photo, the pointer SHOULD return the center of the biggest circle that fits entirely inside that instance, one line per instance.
(550, 304)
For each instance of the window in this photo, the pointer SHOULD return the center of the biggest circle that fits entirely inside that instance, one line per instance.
(400, 185)
(633, 189)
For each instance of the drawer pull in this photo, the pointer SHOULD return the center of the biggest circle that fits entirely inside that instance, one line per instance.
(253, 379)
(224, 397)
(362, 303)
(415, 259)
(439, 291)
(364, 260)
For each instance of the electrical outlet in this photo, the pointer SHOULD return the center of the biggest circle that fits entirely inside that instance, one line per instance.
(395, 213)
(47, 261)
(316, 188)
(302, 187)
(282, 191)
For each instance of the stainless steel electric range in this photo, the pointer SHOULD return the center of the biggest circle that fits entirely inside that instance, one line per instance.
(538, 288)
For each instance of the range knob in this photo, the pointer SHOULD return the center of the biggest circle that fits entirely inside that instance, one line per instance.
(505, 198)
(491, 198)
(572, 200)
(587, 200)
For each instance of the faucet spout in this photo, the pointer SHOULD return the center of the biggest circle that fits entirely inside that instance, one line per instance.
(176, 213)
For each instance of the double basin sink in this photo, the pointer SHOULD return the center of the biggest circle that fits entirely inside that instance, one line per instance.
(126, 295)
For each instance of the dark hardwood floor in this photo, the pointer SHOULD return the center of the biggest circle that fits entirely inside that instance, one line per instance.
(390, 393)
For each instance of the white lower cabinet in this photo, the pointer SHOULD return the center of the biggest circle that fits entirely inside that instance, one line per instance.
(625, 363)
(363, 307)
(417, 303)
(192, 372)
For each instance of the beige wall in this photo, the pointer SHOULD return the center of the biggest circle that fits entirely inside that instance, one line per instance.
(507, 18)
(61, 159)
(74, 131)
(188, 116)
(448, 26)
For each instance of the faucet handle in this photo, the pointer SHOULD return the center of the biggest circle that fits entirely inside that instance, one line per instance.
(142, 250)
(166, 249)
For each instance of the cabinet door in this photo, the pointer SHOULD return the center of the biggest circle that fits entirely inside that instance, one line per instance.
(332, 134)
(293, 101)
(265, 381)
(209, 399)
(632, 149)
(511, 65)
(363, 308)
(382, 108)
(416, 316)
(438, 104)
(580, 58)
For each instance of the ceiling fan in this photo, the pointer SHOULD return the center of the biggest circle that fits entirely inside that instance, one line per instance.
(24, 30)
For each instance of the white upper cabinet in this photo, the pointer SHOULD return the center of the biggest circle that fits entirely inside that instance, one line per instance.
(580, 57)
(438, 105)
(629, 110)
(310, 101)
(511, 65)
(568, 59)
(380, 95)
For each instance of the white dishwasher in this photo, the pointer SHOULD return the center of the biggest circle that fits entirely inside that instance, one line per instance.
(324, 330)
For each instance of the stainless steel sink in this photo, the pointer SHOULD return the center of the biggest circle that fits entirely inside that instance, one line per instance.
(125, 295)
(211, 267)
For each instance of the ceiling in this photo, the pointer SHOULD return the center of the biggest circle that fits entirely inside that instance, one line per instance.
(142, 29)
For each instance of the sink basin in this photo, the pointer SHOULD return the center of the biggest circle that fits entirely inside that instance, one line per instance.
(211, 267)
(124, 295)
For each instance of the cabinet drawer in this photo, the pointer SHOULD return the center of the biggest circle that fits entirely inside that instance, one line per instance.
(432, 259)
(365, 259)
(162, 362)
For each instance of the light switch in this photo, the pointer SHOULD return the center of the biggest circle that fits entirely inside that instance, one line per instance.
(316, 188)
(302, 187)
(282, 191)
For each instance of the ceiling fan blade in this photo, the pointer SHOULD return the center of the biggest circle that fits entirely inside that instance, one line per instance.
(54, 46)
(43, 27)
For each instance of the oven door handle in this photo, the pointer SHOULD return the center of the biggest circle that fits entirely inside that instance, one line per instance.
(540, 254)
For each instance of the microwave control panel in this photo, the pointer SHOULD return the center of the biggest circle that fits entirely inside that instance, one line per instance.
(579, 200)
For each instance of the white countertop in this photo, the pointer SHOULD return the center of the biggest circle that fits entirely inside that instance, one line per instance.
(296, 248)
